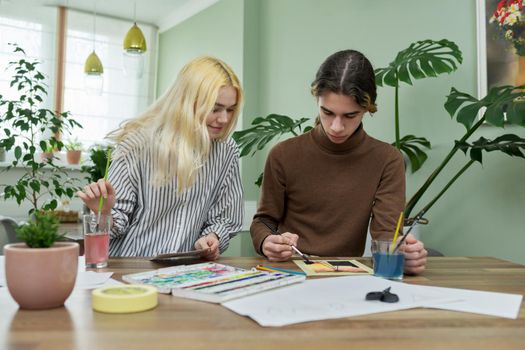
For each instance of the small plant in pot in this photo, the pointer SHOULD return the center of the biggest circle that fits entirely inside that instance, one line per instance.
(74, 151)
(41, 272)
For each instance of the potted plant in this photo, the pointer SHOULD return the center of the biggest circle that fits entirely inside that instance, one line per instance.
(41, 272)
(24, 122)
(97, 162)
(74, 151)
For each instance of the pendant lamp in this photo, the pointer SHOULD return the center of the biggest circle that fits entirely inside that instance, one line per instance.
(93, 69)
(134, 50)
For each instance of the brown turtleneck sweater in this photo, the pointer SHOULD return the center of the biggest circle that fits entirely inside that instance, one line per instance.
(326, 192)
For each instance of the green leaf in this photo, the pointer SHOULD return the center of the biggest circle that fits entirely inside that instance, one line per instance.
(455, 99)
(412, 147)
(35, 185)
(516, 112)
(467, 114)
(426, 58)
(265, 130)
(18, 152)
(499, 100)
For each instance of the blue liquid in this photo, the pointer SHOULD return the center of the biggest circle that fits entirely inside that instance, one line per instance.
(389, 266)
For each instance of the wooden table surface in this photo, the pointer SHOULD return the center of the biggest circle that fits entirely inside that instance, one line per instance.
(186, 324)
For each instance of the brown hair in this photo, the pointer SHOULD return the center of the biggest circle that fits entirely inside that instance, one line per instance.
(349, 73)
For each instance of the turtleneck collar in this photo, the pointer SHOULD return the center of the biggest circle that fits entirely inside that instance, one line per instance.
(324, 142)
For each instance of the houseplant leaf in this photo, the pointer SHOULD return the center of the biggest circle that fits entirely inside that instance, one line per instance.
(412, 146)
(426, 58)
(500, 101)
(265, 129)
(509, 144)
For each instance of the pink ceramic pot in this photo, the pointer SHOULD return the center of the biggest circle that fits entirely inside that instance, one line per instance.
(41, 278)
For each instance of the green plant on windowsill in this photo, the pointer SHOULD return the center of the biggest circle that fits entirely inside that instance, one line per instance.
(98, 158)
(24, 122)
(73, 144)
(74, 151)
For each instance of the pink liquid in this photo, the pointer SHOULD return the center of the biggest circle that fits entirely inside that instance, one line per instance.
(96, 247)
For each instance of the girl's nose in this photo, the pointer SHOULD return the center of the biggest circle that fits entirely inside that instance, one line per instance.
(223, 116)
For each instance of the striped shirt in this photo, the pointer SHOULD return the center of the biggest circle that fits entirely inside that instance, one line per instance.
(150, 220)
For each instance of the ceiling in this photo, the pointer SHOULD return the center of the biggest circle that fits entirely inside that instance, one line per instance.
(161, 13)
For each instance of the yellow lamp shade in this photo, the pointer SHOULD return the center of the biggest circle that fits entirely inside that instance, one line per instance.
(134, 40)
(93, 66)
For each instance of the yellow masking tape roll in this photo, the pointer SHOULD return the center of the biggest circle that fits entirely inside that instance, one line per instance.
(124, 298)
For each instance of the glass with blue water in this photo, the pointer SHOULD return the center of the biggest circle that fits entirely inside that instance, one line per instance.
(388, 264)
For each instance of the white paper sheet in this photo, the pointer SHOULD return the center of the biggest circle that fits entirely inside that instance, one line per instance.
(338, 297)
(329, 298)
(479, 302)
(91, 279)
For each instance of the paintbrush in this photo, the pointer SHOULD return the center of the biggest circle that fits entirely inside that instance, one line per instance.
(276, 232)
(414, 223)
(101, 201)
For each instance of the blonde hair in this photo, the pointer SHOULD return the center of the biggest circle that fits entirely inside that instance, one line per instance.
(175, 124)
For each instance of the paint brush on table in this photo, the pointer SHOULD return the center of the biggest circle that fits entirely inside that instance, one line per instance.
(305, 257)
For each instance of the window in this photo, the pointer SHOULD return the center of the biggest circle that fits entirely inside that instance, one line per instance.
(123, 97)
(33, 29)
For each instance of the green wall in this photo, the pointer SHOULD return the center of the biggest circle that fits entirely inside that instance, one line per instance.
(216, 31)
(279, 44)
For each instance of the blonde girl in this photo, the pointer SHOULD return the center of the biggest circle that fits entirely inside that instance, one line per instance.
(174, 182)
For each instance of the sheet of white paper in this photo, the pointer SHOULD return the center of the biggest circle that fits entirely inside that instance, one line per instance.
(91, 279)
(329, 298)
(344, 297)
(479, 302)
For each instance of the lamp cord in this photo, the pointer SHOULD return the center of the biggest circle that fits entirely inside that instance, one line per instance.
(94, 23)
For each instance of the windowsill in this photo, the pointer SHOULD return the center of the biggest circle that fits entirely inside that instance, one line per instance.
(75, 167)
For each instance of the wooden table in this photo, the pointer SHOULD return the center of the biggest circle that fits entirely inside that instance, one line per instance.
(185, 324)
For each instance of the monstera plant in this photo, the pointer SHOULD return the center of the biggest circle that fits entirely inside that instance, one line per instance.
(503, 104)
(422, 59)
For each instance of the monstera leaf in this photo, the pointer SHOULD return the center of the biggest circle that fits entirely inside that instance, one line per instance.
(266, 129)
(503, 103)
(509, 144)
(426, 58)
(412, 147)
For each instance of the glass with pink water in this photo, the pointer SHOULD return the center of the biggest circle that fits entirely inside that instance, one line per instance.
(96, 240)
